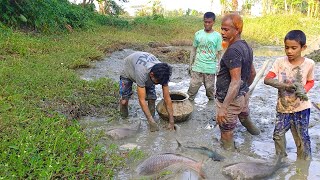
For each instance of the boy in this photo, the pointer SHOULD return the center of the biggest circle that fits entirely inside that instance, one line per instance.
(205, 53)
(147, 71)
(295, 77)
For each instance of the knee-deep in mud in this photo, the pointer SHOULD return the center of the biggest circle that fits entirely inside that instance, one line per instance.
(195, 131)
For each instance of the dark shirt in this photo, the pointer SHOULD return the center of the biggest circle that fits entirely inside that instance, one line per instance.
(238, 54)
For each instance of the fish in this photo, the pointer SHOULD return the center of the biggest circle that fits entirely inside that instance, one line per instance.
(252, 170)
(160, 162)
(129, 146)
(316, 105)
(205, 151)
(122, 133)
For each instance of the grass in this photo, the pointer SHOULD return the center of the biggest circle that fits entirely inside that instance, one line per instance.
(42, 96)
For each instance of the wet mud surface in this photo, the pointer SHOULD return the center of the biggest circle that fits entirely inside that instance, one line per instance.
(194, 132)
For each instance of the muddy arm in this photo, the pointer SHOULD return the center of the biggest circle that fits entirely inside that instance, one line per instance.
(252, 75)
(233, 89)
(168, 103)
(192, 58)
(279, 85)
(143, 104)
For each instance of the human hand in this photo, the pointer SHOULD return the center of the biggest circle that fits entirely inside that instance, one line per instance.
(189, 70)
(153, 125)
(300, 92)
(222, 116)
(170, 126)
(290, 87)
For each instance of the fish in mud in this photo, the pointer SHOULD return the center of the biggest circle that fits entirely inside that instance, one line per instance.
(157, 163)
(205, 151)
(252, 170)
(121, 133)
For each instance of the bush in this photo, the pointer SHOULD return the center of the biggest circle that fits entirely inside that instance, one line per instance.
(52, 15)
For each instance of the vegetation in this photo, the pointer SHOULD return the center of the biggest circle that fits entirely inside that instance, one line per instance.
(42, 96)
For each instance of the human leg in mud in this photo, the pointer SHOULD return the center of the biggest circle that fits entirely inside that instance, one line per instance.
(209, 84)
(300, 134)
(195, 84)
(227, 128)
(245, 120)
(151, 98)
(282, 125)
(125, 94)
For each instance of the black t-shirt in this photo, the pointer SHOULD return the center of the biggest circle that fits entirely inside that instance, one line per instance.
(238, 54)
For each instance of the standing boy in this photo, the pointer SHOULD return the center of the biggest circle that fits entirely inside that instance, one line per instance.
(147, 71)
(295, 77)
(204, 57)
(234, 78)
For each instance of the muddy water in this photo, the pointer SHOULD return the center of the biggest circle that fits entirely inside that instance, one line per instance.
(194, 133)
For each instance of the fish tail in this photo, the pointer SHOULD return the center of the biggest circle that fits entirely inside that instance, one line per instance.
(198, 168)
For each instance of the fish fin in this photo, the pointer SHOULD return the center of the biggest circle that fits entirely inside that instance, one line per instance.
(205, 148)
(179, 144)
(139, 125)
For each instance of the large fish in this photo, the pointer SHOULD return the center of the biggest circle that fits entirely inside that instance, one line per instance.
(204, 150)
(121, 133)
(157, 163)
(252, 170)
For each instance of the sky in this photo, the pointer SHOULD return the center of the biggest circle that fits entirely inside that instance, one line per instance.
(199, 5)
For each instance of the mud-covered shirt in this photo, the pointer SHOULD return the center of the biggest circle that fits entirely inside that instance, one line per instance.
(238, 54)
(207, 45)
(287, 73)
(137, 67)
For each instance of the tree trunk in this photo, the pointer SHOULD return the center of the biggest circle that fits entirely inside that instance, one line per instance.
(84, 3)
(285, 6)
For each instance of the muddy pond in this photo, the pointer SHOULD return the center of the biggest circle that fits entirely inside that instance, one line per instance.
(194, 132)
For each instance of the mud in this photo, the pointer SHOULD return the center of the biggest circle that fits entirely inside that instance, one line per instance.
(194, 132)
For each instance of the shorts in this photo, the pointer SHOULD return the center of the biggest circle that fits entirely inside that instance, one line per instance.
(238, 107)
(126, 89)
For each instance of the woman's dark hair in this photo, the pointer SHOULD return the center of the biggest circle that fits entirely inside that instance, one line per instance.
(209, 15)
(162, 73)
(296, 35)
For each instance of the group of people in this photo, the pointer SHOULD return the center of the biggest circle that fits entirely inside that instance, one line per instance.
(227, 78)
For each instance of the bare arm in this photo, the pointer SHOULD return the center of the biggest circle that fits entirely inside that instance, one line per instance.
(192, 58)
(233, 89)
(143, 104)
(168, 103)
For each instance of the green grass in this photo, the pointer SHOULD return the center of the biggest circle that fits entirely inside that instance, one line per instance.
(42, 96)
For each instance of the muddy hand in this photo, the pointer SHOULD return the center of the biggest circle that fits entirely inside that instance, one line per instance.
(222, 115)
(170, 126)
(301, 92)
(290, 88)
(189, 70)
(153, 126)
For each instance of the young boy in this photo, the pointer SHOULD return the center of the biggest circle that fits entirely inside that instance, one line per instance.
(204, 57)
(295, 77)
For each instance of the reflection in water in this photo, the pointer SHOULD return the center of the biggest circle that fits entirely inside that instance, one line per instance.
(194, 132)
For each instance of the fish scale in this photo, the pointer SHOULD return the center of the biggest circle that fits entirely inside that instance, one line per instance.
(159, 162)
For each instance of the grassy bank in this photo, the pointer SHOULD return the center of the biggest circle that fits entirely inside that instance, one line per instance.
(42, 96)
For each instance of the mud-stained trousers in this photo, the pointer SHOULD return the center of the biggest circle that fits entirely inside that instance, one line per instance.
(298, 123)
(196, 81)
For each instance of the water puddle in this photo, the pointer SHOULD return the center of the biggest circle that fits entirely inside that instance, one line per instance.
(194, 132)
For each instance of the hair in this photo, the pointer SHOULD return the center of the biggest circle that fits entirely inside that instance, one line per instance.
(236, 20)
(209, 15)
(296, 35)
(162, 72)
